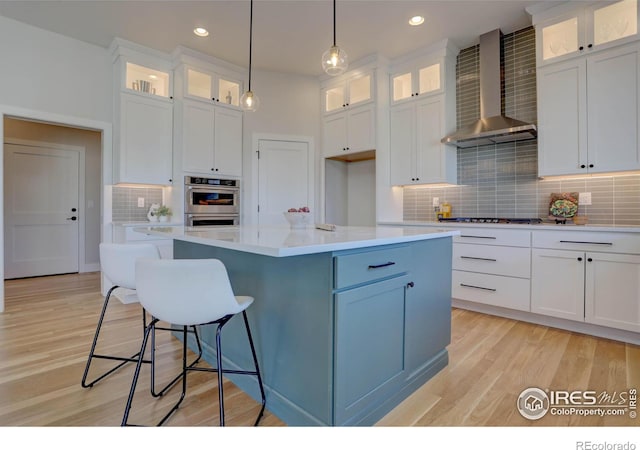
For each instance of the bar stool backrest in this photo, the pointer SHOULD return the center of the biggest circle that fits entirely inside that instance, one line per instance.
(117, 261)
(185, 291)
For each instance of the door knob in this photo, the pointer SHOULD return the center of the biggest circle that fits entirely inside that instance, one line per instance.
(72, 218)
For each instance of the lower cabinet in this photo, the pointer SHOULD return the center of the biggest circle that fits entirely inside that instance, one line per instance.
(370, 359)
(392, 324)
(575, 279)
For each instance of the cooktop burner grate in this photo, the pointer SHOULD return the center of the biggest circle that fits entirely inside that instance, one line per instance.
(526, 220)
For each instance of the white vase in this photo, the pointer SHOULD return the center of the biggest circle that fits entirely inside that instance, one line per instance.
(164, 218)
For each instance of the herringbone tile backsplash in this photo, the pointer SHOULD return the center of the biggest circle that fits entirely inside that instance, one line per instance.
(501, 180)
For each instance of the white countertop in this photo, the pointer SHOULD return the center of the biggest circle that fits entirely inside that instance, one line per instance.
(146, 223)
(282, 241)
(541, 226)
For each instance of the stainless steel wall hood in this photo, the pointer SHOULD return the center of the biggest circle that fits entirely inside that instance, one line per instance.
(494, 126)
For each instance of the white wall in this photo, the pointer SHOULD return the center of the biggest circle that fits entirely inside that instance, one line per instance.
(45, 71)
(290, 105)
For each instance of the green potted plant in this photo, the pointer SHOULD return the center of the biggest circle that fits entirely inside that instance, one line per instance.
(163, 213)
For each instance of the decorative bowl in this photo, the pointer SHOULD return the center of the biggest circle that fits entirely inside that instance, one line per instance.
(298, 219)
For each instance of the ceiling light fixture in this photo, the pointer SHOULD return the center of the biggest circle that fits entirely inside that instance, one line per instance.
(335, 60)
(249, 101)
(416, 20)
(199, 31)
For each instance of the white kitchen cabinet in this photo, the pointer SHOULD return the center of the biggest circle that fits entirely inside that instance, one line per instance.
(417, 155)
(349, 131)
(350, 90)
(568, 31)
(415, 79)
(143, 152)
(211, 139)
(492, 267)
(143, 122)
(212, 86)
(589, 277)
(588, 117)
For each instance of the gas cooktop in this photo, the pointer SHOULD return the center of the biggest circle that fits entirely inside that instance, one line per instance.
(526, 220)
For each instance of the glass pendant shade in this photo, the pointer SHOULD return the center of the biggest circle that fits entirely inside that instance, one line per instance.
(335, 61)
(249, 102)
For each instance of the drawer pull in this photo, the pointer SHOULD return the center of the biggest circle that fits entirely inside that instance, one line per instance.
(477, 237)
(378, 266)
(477, 287)
(481, 259)
(586, 242)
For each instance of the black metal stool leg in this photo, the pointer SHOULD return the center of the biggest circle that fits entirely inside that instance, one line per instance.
(219, 367)
(92, 353)
(148, 330)
(255, 363)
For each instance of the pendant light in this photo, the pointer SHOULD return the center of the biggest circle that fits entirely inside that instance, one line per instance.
(249, 101)
(335, 60)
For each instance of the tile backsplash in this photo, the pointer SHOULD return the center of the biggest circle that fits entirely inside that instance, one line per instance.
(125, 203)
(501, 180)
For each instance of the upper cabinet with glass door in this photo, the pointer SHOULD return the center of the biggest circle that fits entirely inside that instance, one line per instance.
(415, 80)
(146, 80)
(354, 90)
(212, 87)
(566, 31)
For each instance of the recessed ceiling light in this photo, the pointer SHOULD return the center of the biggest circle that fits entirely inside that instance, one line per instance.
(202, 32)
(416, 20)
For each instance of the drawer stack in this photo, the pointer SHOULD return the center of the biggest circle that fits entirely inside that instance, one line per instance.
(493, 267)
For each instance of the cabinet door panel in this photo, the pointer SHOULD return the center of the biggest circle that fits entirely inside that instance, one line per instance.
(430, 151)
(613, 290)
(198, 138)
(402, 146)
(613, 110)
(228, 142)
(335, 134)
(146, 140)
(361, 134)
(369, 346)
(557, 283)
(562, 137)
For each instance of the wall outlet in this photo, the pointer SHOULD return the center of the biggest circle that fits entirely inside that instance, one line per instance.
(584, 198)
(140, 202)
(436, 202)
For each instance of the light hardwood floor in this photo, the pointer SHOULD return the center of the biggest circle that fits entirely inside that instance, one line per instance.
(48, 324)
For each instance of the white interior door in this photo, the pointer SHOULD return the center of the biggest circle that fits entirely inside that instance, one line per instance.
(284, 179)
(40, 211)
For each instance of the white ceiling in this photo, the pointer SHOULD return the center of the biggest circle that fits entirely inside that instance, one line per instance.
(288, 35)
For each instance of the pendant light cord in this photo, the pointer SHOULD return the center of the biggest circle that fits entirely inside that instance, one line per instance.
(334, 22)
(251, 41)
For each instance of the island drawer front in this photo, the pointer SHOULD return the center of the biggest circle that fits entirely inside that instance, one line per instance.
(593, 241)
(493, 236)
(506, 292)
(509, 261)
(357, 268)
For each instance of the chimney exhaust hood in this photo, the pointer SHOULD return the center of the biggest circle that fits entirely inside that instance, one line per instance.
(493, 127)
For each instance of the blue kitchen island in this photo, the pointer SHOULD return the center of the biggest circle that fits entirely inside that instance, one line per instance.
(347, 323)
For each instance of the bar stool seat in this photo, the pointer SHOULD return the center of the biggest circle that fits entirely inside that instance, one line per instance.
(117, 263)
(190, 292)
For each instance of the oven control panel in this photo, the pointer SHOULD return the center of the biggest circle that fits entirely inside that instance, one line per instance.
(188, 180)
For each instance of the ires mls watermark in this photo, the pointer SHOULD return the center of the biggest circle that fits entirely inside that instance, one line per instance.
(535, 403)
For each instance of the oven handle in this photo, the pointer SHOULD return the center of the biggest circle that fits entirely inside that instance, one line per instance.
(198, 188)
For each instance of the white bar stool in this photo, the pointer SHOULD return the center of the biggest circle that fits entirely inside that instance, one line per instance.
(189, 292)
(117, 262)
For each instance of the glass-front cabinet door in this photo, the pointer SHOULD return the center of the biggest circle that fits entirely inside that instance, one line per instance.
(147, 80)
(424, 79)
(580, 30)
(353, 91)
(210, 86)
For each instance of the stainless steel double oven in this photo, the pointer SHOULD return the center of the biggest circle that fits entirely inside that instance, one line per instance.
(211, 201)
